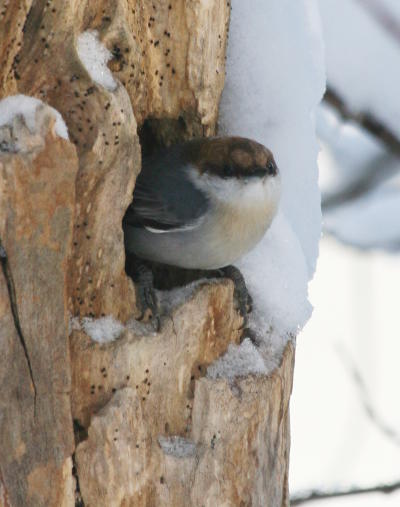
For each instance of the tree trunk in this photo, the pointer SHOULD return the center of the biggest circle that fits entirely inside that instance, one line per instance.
(136, 421)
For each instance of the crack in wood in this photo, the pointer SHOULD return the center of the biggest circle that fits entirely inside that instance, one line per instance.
(14, 310)
(78, 496)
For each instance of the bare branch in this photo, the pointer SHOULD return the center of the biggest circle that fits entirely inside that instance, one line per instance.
(383, 16)
(379, 169)
(299, 499)
(365, 397)
(365, 120)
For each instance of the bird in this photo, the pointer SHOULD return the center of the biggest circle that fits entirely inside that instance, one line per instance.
(201, 204)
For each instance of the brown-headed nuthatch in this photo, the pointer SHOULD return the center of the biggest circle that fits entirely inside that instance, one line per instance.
(202, 204)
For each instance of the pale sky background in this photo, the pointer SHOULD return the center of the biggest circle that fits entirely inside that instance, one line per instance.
(355, 292)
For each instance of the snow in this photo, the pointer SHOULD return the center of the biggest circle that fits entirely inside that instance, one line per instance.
(178, 447)
(94, 57)
(370, 222)
(102, 330)
(239, 361)
(107, 329)
(15, 105)
(275, 79)
(276, 273)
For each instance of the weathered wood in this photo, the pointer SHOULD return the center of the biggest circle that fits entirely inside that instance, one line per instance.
(61, 208)
(169, 57)
(235, 451)
(36, 213)
(163, 367)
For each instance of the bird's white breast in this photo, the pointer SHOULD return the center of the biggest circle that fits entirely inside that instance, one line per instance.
(240, 213)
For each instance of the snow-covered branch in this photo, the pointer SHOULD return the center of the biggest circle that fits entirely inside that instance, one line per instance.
(325, 495)
(365, 120)
(378, 169)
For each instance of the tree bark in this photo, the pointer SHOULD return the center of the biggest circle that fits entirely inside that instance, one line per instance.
(134, 422)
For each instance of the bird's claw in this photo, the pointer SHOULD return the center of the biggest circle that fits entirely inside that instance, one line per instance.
(241, 293)
(146, 297)
(147, 300)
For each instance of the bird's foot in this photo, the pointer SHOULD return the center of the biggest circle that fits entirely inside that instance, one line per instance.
(146, 297)
(241, 292)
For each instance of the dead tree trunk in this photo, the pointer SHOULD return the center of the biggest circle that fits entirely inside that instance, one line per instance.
(135, 421)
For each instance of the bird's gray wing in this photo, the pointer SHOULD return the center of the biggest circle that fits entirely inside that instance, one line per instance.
(165, 199)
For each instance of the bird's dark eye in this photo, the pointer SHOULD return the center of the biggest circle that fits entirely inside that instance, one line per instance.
(271, 168)
(227, 170)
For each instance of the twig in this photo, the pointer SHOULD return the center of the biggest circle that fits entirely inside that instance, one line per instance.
(383, 16)
(365, 120)
(309, 496)
(379, 169)
(365, 398)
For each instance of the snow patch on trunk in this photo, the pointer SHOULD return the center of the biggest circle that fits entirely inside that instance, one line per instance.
(25, 106)
(94, 57)
(275, 80)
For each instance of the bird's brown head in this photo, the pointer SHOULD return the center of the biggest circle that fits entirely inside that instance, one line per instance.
(228, 157)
